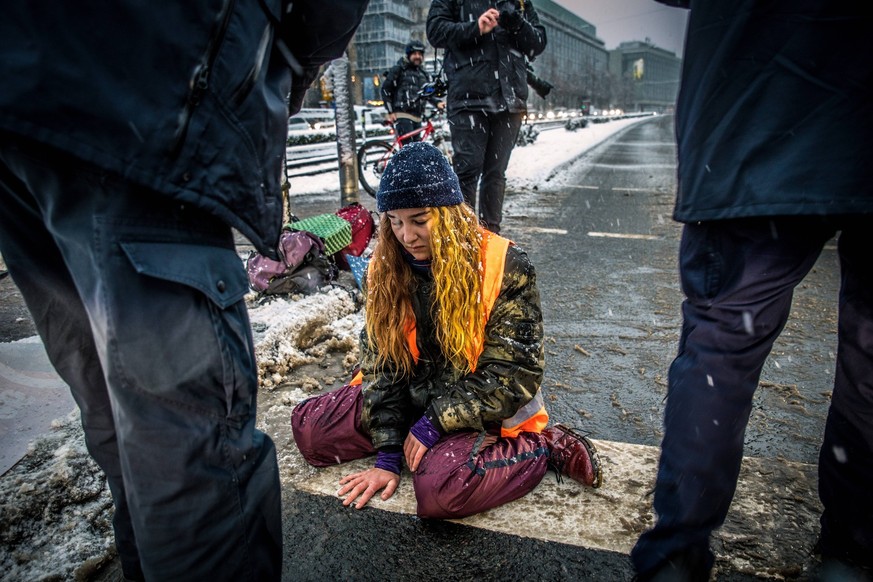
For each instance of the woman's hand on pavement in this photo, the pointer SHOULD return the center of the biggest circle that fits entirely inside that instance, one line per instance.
(362, 486)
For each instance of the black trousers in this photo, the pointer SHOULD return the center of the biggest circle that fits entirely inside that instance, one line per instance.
(482, 144)
(402, 126)
(738, 277)
(139, 302)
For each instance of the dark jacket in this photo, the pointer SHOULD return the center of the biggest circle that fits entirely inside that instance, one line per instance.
(188, 99)
(775, 111)
(508, 373)
(401, 87)
(484, 72)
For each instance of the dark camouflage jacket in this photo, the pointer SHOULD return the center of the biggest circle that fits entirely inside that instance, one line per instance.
(508, 373)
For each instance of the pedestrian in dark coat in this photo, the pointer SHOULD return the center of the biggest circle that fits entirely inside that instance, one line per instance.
(452, 360)
(775, 128)
(133, 137)
(485, 66)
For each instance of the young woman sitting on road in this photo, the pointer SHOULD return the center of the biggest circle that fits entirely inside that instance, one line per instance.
(452, 361)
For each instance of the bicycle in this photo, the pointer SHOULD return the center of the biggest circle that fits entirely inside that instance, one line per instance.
(374, 155)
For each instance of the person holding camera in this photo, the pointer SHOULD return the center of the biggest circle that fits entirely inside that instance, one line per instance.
(487, 45)
(401, 89)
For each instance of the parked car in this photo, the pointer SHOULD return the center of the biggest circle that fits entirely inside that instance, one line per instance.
(318, 118)
(298, 124)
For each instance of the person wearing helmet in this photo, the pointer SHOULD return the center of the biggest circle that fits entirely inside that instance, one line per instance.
(400, 91)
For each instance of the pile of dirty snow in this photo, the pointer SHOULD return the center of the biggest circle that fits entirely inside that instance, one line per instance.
(292, 332)
(55, 510)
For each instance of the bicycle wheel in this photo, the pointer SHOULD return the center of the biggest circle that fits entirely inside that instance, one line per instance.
(372, 159)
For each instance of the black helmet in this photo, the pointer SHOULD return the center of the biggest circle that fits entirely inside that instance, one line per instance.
(414, 46)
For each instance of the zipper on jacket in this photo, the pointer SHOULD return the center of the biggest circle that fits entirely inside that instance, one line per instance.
(200, 80)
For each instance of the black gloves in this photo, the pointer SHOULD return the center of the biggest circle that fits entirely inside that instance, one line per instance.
(511, 17)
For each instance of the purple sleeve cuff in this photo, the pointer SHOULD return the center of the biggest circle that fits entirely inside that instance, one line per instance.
(389, 461)
(425, 432)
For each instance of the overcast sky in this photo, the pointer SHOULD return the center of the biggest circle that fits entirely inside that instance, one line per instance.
(621, 20)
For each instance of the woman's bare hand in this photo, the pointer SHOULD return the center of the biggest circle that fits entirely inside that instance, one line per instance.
(362, 486)
(414, 451)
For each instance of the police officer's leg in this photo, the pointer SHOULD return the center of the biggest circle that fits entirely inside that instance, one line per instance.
(503, 130)
(202, 482)
(37, 266)
(846, 459)
(163, 286)
(469, 139)
(738, 277)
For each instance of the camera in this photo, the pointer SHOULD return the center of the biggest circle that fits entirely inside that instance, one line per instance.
(511, 17)
(541, 86)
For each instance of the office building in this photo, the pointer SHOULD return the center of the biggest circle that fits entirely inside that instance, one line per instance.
(653, 73)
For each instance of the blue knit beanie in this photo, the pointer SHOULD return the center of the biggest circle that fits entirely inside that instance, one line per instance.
(418, 176)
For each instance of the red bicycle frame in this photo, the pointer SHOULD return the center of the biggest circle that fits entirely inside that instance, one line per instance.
(426, 131)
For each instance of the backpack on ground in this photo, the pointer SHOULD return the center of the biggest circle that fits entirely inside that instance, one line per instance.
(362, 225)
(303, 266)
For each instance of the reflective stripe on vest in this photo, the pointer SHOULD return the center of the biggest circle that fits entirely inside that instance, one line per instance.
(532, 417)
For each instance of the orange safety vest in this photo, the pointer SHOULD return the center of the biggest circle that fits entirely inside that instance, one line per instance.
(532, 417)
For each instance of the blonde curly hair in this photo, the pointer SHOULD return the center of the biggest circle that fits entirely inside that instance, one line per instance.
(456, 302)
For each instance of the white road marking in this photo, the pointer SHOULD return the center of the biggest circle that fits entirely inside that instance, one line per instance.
(546, 230)
(624, 235)
(612, 516)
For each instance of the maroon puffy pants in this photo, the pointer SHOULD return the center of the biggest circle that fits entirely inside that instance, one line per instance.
(457, 477)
